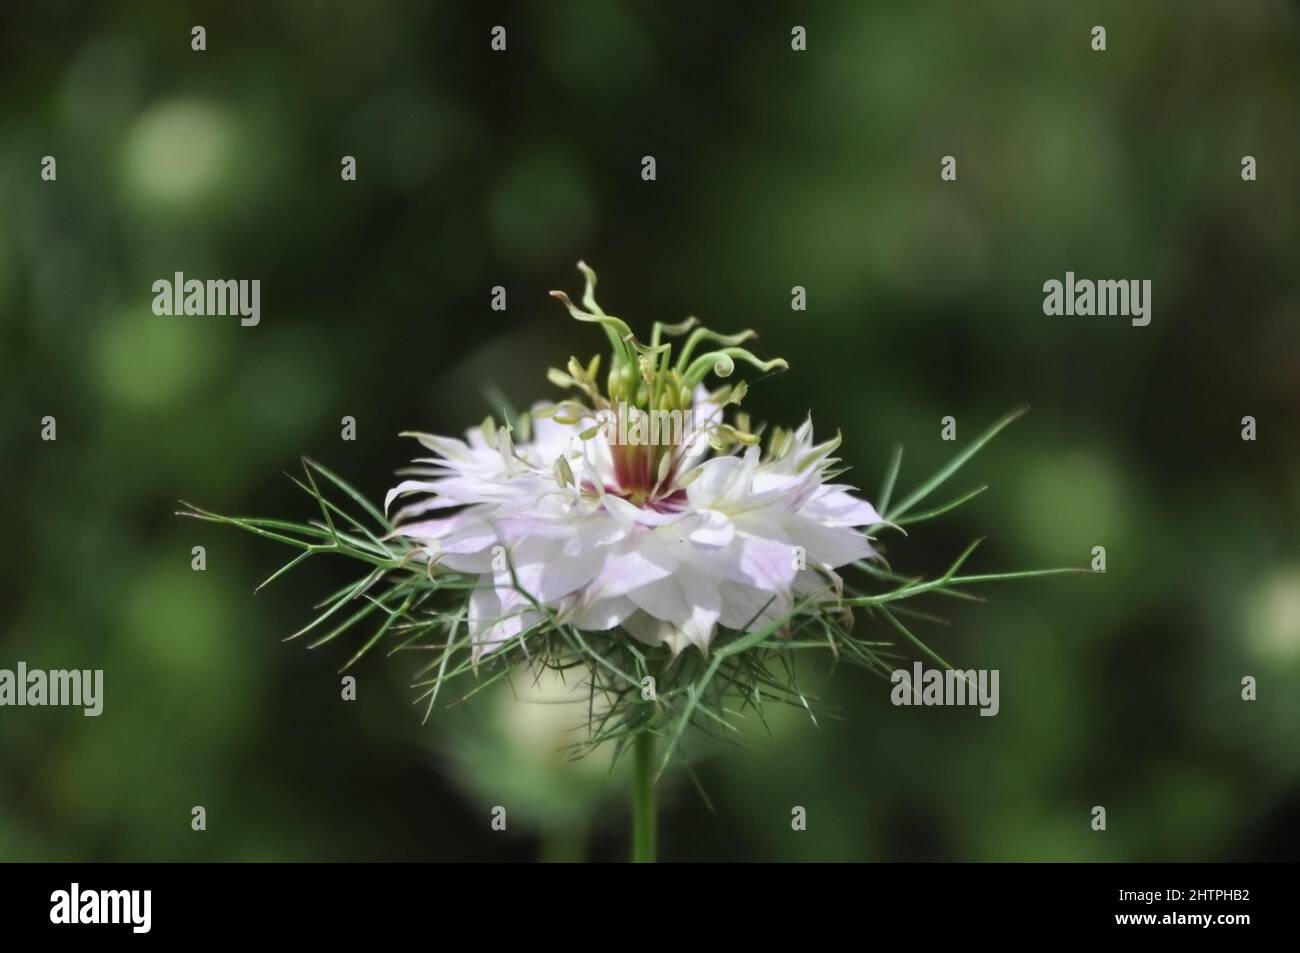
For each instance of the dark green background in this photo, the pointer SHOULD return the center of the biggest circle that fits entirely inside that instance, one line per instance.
(775, 168)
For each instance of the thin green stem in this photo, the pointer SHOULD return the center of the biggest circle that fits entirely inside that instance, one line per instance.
(643, 799)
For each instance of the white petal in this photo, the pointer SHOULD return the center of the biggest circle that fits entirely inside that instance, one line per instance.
(829, 545)
(637, 561)
(713, 529)
(745, 608)
(604, 614)
(834, 506)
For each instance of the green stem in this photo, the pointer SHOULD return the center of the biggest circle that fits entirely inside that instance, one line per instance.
(643, 799)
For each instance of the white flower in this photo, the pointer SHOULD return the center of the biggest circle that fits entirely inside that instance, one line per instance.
(669, 539)
(721, 541)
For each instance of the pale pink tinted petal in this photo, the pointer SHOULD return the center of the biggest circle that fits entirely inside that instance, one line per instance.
(603, 614)
(632, 566)
(714, 484)
(629, 512)
(828, 545)
(767, 563)
(713, 529)
(833, 506)
(748, 608)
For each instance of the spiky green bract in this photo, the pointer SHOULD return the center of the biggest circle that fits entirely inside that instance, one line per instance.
(633, 690)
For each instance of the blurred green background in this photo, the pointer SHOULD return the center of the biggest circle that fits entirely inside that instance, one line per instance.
(775, 169)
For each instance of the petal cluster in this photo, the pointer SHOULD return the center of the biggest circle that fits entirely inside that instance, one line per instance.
(551, 528)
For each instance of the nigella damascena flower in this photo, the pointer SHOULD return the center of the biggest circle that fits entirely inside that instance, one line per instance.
(638, 505)
(637, 540)
(641, 510)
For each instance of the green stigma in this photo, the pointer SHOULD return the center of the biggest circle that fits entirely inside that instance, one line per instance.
(646, 376)
(646, 384)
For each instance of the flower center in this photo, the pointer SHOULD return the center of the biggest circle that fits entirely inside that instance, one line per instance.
(648, 407)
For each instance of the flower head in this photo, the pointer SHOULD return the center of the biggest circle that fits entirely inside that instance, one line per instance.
(641, 503)
(636, 505)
